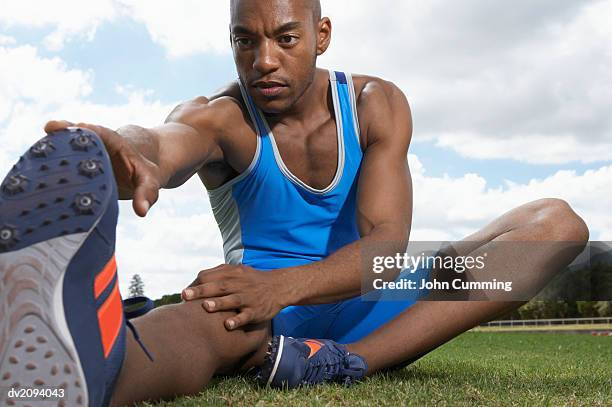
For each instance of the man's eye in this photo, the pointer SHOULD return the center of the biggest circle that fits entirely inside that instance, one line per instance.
(243, 42)
(288, 39)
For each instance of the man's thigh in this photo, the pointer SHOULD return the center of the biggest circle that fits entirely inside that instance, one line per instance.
(349, 320)
(357, 318)
(344, 322)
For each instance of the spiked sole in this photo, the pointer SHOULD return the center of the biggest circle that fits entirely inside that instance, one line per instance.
(51, 200)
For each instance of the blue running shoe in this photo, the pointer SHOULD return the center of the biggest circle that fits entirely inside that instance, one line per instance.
(61, 318)
(295, 362)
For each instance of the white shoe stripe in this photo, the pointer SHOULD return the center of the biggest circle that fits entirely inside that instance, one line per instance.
(278, 358)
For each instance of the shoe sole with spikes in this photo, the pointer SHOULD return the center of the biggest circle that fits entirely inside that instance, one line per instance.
(61, 324)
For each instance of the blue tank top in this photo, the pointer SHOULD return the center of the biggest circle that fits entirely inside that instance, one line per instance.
(269, 218)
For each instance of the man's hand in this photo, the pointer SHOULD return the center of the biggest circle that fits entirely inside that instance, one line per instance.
(137, 177)
(257, 295)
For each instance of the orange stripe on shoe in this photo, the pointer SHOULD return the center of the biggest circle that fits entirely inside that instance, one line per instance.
(104, 278)
(110, 318)
(314, 346)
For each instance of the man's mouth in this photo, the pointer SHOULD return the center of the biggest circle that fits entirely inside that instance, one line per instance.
(269, 89)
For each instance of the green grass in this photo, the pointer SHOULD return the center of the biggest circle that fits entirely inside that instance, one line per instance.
(477, 368)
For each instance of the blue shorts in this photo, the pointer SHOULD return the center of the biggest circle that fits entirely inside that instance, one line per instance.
(345, 321)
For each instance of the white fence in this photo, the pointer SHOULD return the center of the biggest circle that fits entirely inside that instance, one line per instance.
(551, 322)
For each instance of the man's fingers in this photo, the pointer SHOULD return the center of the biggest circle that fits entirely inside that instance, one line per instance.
(137, 178)
(146, 192)
(111, 140)
(210, 290)
(227, 303)
(242, 319)
(144, 198)
(56, 125)
(204, 274)
(96, 129)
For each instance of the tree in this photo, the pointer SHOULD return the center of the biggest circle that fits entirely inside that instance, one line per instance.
(587, 309)
(136, 286)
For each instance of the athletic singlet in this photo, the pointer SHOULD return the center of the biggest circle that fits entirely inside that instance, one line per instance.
(269, 218)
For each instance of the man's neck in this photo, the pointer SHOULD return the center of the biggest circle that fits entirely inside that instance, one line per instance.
(312, 103)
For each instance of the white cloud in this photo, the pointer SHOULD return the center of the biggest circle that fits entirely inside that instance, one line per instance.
(28, 77)
(514, 77)
(30, 83)
(184, 27)
(66, 18)
(535, 148)
(6, 40)
(453, 207)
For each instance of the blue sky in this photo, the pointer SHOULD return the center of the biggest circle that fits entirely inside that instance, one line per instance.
(502, 114)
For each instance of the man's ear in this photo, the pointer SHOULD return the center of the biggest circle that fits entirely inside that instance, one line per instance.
(323, 35)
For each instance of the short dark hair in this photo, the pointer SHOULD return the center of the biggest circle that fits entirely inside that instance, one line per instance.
(315, 5)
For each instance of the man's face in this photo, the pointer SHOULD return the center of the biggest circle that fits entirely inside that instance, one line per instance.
(275, 45)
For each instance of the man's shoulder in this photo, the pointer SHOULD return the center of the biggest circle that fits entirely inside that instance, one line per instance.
(220, 110)
(381, 106)
(371, 91)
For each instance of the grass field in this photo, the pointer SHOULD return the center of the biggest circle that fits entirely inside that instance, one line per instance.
(477, 368)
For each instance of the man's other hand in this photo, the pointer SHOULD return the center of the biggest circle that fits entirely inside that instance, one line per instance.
(257, 296)
(137, 177)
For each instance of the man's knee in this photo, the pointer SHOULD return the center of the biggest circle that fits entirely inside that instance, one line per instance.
(210, 327)
(557, 221)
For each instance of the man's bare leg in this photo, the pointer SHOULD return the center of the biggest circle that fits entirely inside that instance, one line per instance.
(429, 324)
(189, 346)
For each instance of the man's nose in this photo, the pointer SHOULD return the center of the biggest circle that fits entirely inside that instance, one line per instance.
(266, 60)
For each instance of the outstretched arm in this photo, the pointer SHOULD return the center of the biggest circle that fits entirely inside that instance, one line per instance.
(384, 213)
(148, 159)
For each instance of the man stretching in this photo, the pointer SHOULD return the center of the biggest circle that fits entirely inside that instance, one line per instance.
(305, 168)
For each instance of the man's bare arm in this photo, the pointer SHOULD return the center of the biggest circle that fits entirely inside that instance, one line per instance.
(186, 141)
(148, 159)
(384, 201)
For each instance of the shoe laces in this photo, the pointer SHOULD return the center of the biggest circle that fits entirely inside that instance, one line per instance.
(133, 308)
(331, 365)
(138, 340)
